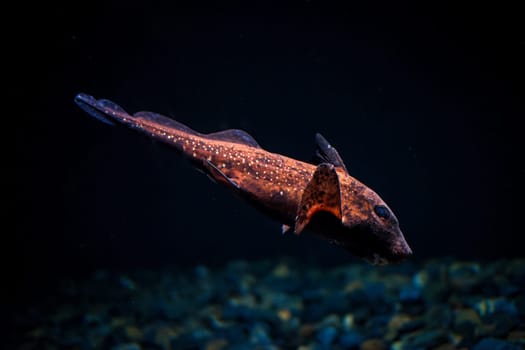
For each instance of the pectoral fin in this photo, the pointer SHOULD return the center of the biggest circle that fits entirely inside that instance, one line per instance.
(216, 174)
(321, 194)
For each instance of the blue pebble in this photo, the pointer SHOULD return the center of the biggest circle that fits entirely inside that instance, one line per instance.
(506, 306)
(327, 335)
(495, 344)
(491, 306)
(410, 294)
(374, 290)
(350, 340)
(259, 335)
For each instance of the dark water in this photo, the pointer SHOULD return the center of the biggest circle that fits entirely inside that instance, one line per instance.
(120, 242)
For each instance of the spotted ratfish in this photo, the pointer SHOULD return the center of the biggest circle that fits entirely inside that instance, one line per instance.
(321, 198)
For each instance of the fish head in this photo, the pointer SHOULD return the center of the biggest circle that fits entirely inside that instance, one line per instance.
(371, 230)
(346, 212)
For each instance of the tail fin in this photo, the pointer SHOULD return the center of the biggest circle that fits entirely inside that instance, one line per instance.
(103, 110)
(109, 112)
(153, 125)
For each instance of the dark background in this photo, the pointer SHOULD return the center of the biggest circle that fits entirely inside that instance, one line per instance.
(422, 103)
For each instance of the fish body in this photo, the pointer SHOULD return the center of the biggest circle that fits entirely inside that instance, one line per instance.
(323, 198)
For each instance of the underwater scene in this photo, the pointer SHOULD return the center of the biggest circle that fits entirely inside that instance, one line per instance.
(285, 304)
(290, 175)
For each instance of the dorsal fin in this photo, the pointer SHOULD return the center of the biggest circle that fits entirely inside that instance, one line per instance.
(110, 106)
(328, 154)
(322, 193)
(165, 121)
(234, 135)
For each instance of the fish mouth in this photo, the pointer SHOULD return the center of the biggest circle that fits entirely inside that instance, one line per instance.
(378, 259)
(374, 245)
(377, 248)
(378, 252)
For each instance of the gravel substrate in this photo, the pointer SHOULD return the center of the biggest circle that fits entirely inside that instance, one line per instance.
(439, 304)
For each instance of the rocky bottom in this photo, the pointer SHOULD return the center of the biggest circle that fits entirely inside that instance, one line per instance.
(438, 304)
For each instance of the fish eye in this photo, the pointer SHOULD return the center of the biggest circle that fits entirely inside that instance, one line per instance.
(382, 211)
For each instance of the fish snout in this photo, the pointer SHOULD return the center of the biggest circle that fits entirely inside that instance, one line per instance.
(400, 249)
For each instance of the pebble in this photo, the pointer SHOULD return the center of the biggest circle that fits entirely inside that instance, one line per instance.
(350, 340)
(438, 317)
(133, 333)
(259, 335)
(410, 294)
(216, 344)
(464, 275)
(424, 339)
(372, 344)
(326, 335)
(466, 316)
(439, 304)
(495, 344)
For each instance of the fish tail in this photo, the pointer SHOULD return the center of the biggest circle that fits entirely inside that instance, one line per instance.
(155, 126)
(103, 110)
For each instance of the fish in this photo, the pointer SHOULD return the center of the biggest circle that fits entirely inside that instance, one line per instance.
(320, 197)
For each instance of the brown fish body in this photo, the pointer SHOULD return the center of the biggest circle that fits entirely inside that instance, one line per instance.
(322, 198)
(271, 182)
